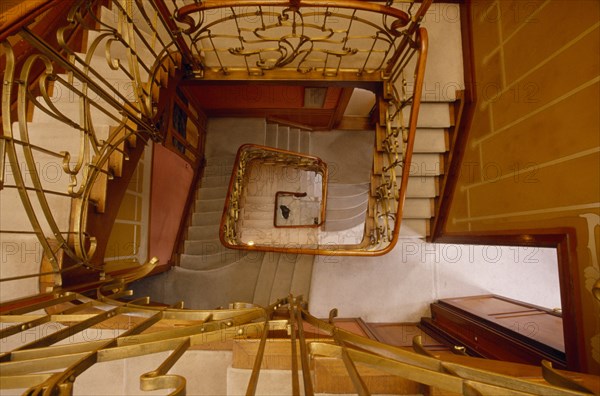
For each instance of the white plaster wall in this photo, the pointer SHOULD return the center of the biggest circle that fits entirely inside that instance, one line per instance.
(399, 286)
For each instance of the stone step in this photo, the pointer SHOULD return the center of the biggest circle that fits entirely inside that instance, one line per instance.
(431, 115)
(343, 224)
(414, 228)
(264, 282)
(282, 282)
(294, 140)
(349, 201)
(205, 289)
(209, 205)
(305, 142)
(283, 137)
(210, 261)
(271, 135)
(212, 193)
(215, 181)
(206, 247)
(301, 280)
(430, 140)
(418, 208)
(339, 189)
(203, 232)
(206, 218)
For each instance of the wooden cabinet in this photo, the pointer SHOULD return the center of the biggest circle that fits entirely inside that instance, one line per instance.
(499, 328)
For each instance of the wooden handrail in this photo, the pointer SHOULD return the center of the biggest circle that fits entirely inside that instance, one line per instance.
(183, 14)
(23, 14)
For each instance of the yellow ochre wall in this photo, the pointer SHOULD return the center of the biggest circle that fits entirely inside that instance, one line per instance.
(532, 158)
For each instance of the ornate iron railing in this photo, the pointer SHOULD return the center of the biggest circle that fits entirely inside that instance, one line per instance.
(133, 328)
(89, 109)
(279, 39)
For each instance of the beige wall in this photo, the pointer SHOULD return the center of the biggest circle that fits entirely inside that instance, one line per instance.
(533, 155)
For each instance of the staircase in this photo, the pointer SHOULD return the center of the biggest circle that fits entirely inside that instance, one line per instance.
(209, 274)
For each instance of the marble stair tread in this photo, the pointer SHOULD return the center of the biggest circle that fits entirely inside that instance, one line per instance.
(339, 189)
(212, 192)
(206, 247)
(264, 282)
(206, 218)
(431, 140)
(211, 261)
(304, 142)
(209, 205)
(205, 289)
(294, 140)
(282, 282)
(203, 232)
(431, 115)
(344, 202)
(417, 208)
(283, 137)
(216, 180)
(271, 135)
(345, 213)
(343, 224)
(302, 276)
(426, 164)
(414, 228)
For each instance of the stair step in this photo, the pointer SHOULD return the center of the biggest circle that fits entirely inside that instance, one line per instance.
(203, 232)
(282, 281)
(205, 289)
(294, 140)
(271, 135)
(346, 213)
(264, 283)
(344, 224)
(206, 218)
(414, 228)
(431, 115)
(430, 140)
(216, 181)
(418, 208)
(212, 192)
(339, 189)
(206, 247)
(283, 137)
(302, 277)
(305, 142)
(345, 202)
(206, 262)
(209, 205)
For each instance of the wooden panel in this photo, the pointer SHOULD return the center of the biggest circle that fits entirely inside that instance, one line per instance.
(402, 334)
(502, 329)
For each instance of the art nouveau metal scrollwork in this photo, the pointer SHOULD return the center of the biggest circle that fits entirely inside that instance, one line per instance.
(83, 119)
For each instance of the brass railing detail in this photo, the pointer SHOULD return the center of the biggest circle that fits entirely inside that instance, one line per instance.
(353, 38)
(140, 65)
(42, 367)
(382, 224)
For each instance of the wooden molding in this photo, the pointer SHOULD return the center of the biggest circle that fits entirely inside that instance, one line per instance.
(459, 134)
(564, 240)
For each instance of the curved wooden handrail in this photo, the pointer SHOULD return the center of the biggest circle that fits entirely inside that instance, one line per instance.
(25, 13)
(402, 17)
